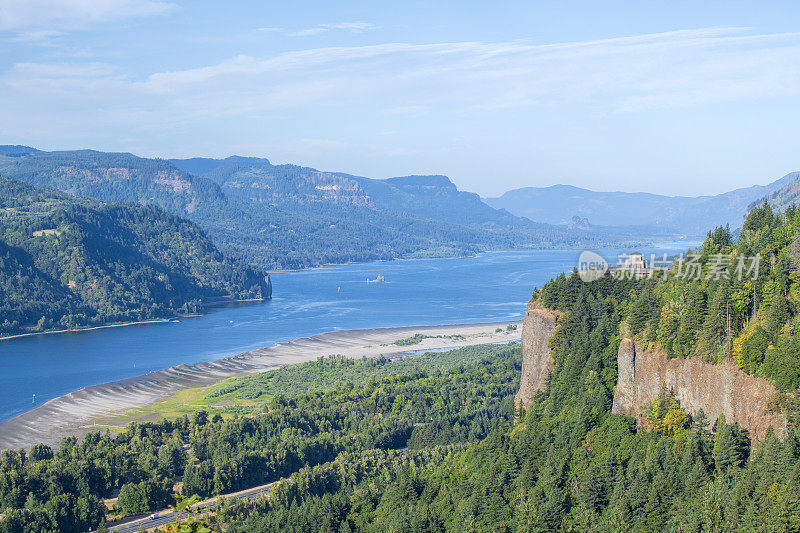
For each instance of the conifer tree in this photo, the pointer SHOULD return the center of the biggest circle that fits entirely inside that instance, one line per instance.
(715, 327)
(778, 313)
(691, 320)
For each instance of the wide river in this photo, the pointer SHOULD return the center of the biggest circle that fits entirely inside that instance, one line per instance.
(487, 288)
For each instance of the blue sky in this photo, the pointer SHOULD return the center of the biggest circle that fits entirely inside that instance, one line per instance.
(667, 97)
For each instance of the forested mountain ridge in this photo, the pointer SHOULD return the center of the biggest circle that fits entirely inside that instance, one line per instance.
(69, 262)
(287, 216)
(718, 330)
(116, 177)
(784, 197)
(11, 152)
(434, 197)
(412, 215)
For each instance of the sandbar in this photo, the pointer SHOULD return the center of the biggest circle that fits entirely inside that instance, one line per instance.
(76, 413)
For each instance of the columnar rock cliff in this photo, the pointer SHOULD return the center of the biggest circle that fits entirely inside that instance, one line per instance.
(715, 388)
(537, 328)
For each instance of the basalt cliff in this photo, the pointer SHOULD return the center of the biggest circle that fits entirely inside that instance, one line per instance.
(537, 328)
(715, 388)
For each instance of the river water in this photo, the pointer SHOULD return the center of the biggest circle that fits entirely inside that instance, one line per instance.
(486, 288)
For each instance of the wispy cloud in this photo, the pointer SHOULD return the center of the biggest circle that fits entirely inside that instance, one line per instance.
(675, 68)
(352, 27)
(21, 15)
(621, 75)
(358, 26)
(38, 37)
(307, 32)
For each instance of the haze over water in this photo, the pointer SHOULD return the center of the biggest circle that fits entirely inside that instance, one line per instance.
(487, 288)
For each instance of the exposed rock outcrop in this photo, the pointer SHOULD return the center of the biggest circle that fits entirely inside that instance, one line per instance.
(537, 328)
(266, 288)
(715, 388)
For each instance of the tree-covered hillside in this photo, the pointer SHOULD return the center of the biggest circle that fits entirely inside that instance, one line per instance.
(116, 177)
(314, 217)
(67, 262)
(286, 216)
(738, 300)
(434, 197)
(784, 197)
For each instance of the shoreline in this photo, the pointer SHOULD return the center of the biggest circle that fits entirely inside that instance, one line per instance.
(77, 412)
(651, 243)
(92, 328)
(423, 258)
(176, 318)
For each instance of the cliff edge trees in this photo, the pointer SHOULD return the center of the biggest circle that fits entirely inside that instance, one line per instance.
(728, 300)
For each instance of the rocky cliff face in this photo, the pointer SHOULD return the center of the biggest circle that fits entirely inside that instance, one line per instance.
(715, 388)
(266, 288)
(537, 328)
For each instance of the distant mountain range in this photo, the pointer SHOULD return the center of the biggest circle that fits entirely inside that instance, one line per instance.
(260, 181)
(690, 216)
(288, 216)
(68, 262)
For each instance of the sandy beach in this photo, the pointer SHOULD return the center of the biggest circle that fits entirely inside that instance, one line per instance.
(76, 412)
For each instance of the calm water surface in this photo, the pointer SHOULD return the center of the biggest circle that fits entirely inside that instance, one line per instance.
(489, 287)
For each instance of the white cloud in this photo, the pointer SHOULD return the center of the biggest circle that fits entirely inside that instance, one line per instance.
(19, 15)
(352, 27)
(676, 68)
(307, 32)
(39, 37)
(682, 68)
(358, 26)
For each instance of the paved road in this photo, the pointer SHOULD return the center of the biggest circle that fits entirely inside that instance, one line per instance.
(168, 517)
